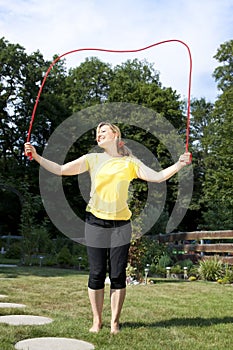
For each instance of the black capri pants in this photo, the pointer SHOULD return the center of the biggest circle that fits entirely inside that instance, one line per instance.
(108, 243)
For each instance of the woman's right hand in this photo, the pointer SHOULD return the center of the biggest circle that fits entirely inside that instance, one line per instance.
(29, 150)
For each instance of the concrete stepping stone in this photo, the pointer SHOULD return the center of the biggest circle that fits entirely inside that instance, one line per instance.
(18, 320)
(53, 343)
(13, 305)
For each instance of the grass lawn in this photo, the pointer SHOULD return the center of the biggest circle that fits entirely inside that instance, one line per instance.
(168, 315)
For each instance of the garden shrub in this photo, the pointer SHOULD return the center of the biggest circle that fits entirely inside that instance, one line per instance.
(160, 271)
(130, 271)
(228, 274)
(211, 269)
(64, 257)
(185, 263)
(14, 251)
(165, 261)
(177, 269)
(194, 271)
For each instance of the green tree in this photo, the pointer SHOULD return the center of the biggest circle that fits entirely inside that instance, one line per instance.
(223, 74)
(138, 82)
(218, 191)
(88, 84)
(201, 117)
(21, 76)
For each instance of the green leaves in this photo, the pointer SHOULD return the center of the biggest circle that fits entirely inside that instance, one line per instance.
(223, 74)
(211, 269)
(218, 190)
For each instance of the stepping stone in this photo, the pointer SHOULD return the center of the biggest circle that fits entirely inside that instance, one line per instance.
(53, 343)
(3, 305)
(16, 320)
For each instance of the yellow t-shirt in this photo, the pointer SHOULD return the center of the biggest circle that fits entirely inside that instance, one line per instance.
(110, 179)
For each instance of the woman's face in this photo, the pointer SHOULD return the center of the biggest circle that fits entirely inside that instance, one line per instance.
(105, 136)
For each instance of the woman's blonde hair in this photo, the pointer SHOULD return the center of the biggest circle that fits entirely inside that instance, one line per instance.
(121, 148)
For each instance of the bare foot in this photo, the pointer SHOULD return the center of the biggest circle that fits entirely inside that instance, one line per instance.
(95, 328)
(115, 328)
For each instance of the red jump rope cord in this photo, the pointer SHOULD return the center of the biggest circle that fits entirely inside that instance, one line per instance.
(118, 51)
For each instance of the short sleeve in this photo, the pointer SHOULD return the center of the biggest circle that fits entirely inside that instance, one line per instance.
(87, 158)
(91, 159)
(134, 167)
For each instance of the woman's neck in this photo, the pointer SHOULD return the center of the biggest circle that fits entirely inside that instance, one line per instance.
(112, 151)
(112, 154)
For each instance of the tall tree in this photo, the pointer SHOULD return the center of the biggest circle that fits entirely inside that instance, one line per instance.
(201, 117)
(21, 76)
(88, 84)
(218, 189)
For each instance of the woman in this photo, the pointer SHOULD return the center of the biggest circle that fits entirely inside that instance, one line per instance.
(107, 212)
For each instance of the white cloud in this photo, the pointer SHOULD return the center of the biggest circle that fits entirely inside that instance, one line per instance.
(64, 25)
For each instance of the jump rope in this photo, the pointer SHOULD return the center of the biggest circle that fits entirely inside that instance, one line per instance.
(119, 51)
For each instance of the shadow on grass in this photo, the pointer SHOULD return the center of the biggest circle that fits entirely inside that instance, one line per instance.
(180, 322)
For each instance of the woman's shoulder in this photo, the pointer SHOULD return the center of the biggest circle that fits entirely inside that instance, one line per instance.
(94, 157)
(133, 160)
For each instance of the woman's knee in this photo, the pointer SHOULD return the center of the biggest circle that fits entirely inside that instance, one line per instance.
(96, 281)
(118, 282)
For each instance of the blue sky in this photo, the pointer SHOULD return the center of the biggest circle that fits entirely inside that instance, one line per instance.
(55, 27)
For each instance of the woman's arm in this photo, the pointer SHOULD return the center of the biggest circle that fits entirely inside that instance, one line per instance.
(75, 167)
(150, 175)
